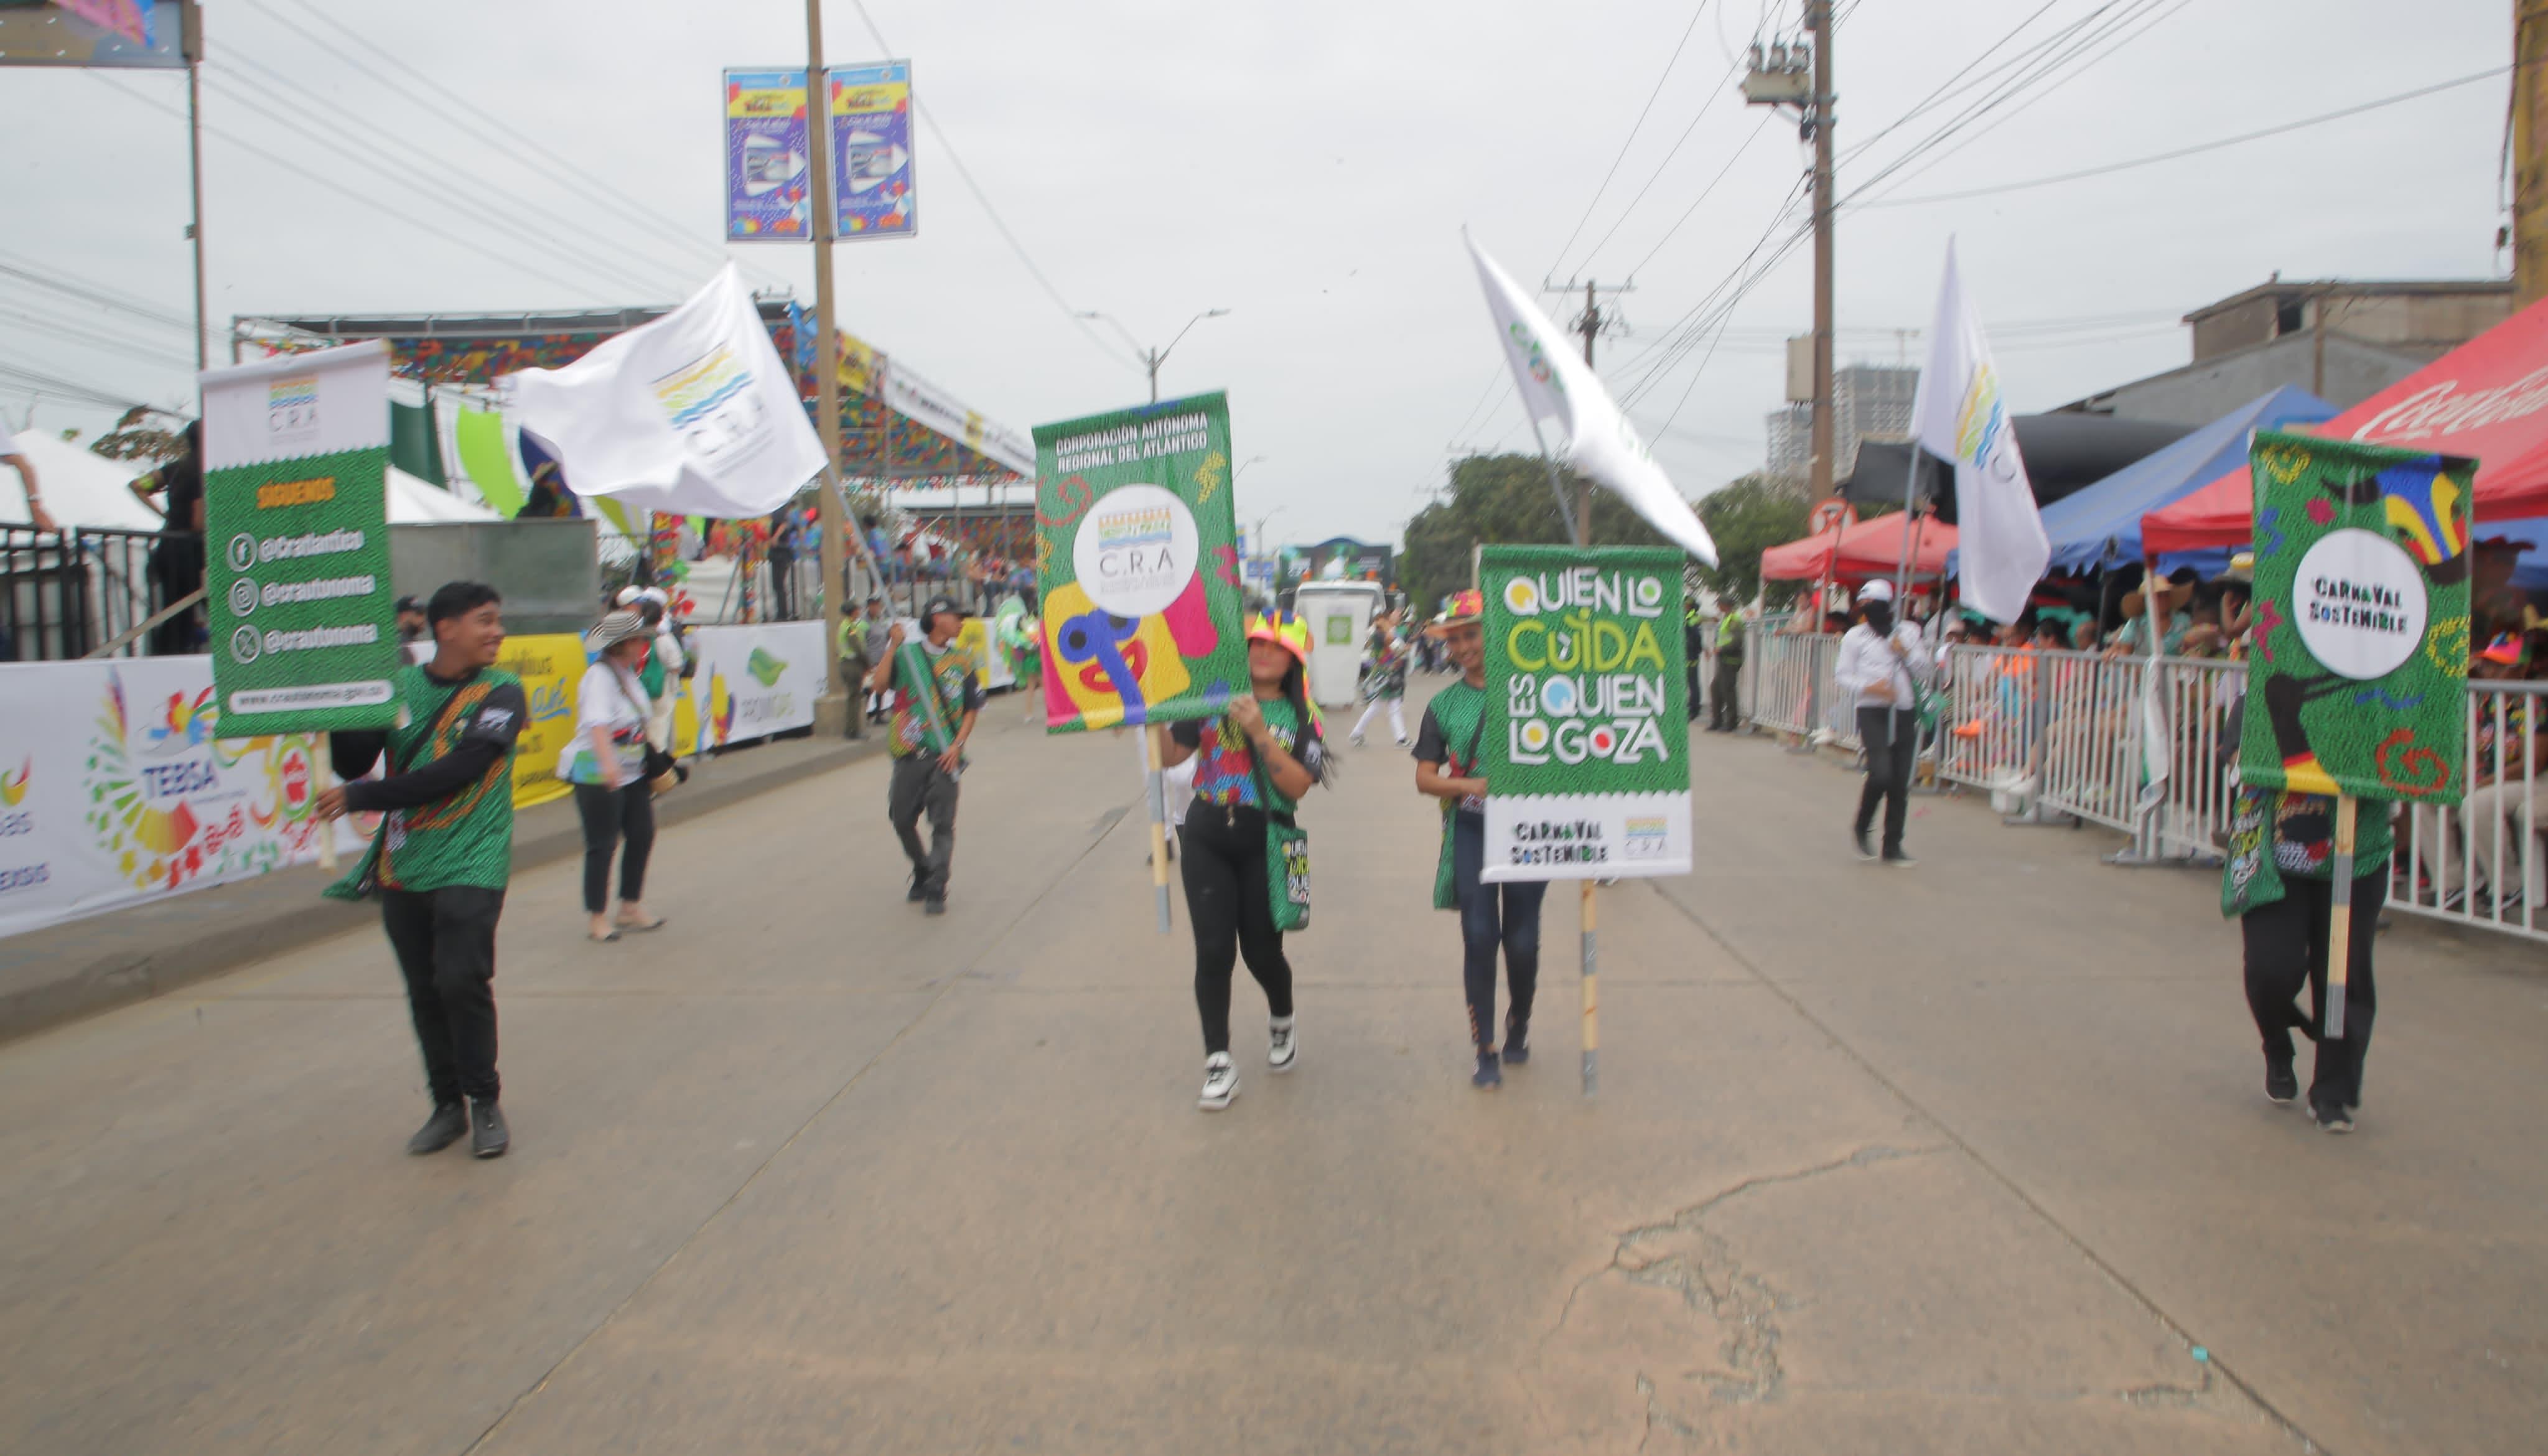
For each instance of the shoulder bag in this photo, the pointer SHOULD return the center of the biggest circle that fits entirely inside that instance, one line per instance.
(1287, 856)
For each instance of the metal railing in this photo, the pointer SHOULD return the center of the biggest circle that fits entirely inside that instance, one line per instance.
(2070, 733)
(69, 594)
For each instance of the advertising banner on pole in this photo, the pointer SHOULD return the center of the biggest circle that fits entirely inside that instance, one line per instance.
(2356, 683)
(147, 35)
(1587, 758)
(872, 149)
(768, 151)
(755, 681)
(1138, 558)
(297, 545)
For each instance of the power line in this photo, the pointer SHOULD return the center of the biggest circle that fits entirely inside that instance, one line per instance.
(575, 176)
(2186, 152)
(1657, 174)
(1692, 208)
(331, 184)
(979, 195)
(70, 286)
(108, 342)
(45, 384)
(1633, 130)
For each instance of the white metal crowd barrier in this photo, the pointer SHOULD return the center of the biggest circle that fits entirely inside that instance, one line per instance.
(2067, 733)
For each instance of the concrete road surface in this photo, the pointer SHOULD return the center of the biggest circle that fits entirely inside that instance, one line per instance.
(1970, 1157)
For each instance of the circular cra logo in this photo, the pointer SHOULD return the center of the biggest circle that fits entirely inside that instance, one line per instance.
(245, 645)
(1521, 598)
(1136, 550)
(243, 596)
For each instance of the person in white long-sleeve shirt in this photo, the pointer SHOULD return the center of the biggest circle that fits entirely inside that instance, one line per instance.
(1881, 663)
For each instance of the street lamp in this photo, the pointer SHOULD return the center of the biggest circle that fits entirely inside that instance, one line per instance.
(1151, 359)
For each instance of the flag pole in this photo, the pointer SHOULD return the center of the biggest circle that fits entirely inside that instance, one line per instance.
(1579, 528)
(2339, 922)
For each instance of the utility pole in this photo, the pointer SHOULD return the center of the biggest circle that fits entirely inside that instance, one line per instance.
(1592, 324)
(2529, 155)
(827, 346)
(1799, 75)
(191, 44)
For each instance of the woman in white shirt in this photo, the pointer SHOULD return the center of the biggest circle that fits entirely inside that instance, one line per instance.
(607, 763)
(1882, 664)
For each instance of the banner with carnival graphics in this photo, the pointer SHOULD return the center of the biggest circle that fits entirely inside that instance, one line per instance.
(1137, 553)
(767, 158)
(2357, 670)
(1587, 750)
(872, 173)
(754, 681)
(112, 790)
(297, 541)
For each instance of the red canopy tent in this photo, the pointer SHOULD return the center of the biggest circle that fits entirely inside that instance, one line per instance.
(2487, 398)
(1867, 550)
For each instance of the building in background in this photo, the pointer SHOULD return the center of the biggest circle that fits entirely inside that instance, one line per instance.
(1869, 402)
(2342, 340)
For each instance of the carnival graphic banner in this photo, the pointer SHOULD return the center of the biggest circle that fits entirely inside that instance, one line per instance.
(1138, 558)
(755, 681)
(551, 666)
(767, 157)
(1587, 755)
(2357, 676)
(114, 789)
(872, 172)
(296, 526)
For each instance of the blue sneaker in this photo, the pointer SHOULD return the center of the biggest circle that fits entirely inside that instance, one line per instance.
(1489, 1074)
(1516, 1043)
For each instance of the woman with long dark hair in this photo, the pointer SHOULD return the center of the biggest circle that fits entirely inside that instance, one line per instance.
(1256, 761)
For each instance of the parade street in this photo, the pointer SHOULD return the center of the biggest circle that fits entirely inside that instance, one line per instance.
(1969, 1157)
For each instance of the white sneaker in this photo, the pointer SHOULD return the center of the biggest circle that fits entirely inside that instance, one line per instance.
(1219, 1082)
(1282, 1045)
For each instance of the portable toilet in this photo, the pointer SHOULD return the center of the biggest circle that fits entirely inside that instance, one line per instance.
(1339, 616)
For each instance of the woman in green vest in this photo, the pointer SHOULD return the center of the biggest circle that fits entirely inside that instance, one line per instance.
(1448, 748)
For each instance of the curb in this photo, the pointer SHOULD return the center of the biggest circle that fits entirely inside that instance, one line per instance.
(65, 973)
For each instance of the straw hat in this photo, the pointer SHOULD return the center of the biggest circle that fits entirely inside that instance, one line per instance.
(2172, 596)
(613, 629)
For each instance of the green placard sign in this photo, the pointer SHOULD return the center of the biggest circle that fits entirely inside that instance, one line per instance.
(2357, 671)
(296, 543)
(1137, 552)
(1587, 749)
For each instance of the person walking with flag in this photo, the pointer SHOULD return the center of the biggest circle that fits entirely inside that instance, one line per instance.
(936, 698)
(1492, 917)
(444, 852)
(1881, 667)
(1252, 765)
(1386, 684)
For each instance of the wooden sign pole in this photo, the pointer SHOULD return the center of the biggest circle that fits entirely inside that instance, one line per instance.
(1591, 999)
(2339, 922)
(1156, 737)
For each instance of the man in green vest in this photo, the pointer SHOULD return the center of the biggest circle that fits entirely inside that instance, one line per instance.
(444, 852)
(937, 696)
(1725, 714)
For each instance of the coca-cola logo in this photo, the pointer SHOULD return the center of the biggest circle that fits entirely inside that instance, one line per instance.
(2441, 409)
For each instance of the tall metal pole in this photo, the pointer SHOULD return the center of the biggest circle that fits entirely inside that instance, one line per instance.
(2529, 157)
(1818, 21)
(192, 39)
(827, 346)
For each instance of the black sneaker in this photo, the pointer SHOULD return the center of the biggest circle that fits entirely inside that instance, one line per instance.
(1516, 1043)
(487, 1135)
(919, 889)
(440, 1131)
(934, 905)
(1899, 860)
(2282, 1088)
(2332, 1116)
(1865, 846)
(1490, 1073)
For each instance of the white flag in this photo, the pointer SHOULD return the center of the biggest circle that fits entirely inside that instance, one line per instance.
(691, 415)
(1600, 443)
(1960, 414)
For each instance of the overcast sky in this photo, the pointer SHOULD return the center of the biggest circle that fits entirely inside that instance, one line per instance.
(1305, 165)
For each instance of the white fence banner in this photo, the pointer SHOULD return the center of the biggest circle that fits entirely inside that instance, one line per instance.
(112, 790)
(755, 681)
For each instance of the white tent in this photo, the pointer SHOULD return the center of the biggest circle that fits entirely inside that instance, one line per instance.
(86, 490)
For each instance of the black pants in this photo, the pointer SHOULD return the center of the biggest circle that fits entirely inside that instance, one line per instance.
(1222, 853)
(782, 587)
(445, 940)
(1892, 737)
(1697, 699)
(176, 566)
(2286, 943)
(610, 815)
(1494, 917)
(920, 785)
(1724, 712)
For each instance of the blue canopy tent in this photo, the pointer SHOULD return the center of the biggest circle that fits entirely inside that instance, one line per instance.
(2100, 526)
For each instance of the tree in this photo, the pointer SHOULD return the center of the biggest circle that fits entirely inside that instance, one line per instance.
(1497, 501)
(1748, 516)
